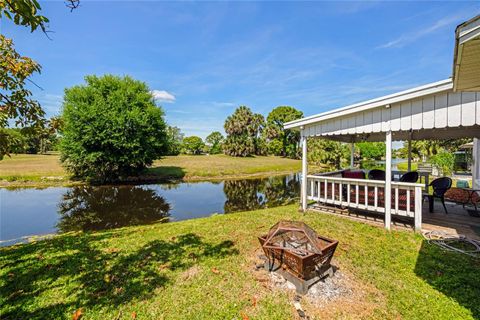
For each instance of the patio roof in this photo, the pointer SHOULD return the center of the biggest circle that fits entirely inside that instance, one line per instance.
(432, 111)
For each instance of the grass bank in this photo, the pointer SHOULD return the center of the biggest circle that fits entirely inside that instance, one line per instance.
(44, 170)
(204, 269)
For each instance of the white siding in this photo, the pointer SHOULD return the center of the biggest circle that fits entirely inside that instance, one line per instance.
(432, 111)
(441, 104)
(468, 109)
(386, 119)
(417, 114)
(406, 116)
(454, 109)
(428, 115)
(395, 114)
(377, 120)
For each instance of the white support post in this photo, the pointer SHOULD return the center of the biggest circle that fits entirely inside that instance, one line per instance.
(476, 164)
(388, 179)
(418, 209)
(409, 166)
(352, 154)
(303, 195)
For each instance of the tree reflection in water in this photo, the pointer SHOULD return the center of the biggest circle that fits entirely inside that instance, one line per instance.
(96, 208)
(253, 194)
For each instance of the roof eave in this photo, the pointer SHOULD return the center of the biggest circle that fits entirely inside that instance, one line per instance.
(413, 93)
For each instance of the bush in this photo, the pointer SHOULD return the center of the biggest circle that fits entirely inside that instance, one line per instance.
(444, 161)
(112, 128)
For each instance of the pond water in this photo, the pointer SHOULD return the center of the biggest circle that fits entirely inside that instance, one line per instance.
(25, 212)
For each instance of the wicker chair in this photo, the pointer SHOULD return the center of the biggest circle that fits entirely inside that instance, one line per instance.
(440, 187)
(411, 176)
(376, 174)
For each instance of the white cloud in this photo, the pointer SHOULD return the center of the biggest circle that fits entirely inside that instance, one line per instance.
(420, 33)
(163, 96)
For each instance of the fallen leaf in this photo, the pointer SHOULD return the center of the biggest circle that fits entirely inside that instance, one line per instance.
(77, 315)
(111, 250)
(244, 316)
(215, 270)
(134, 315)
(254, 302)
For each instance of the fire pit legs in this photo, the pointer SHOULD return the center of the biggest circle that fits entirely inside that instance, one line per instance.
(301, 286)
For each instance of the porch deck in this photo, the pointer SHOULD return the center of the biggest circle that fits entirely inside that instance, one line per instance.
(457, 221)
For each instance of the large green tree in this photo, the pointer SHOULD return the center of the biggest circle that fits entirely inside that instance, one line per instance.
(215, 142)
(244, 133)
(282, 141)
(111, 128)
(193, 145)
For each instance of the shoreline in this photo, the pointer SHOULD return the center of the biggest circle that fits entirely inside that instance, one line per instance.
(62, 182)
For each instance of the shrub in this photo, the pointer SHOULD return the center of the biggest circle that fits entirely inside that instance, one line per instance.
(112, 128)
(444, 161)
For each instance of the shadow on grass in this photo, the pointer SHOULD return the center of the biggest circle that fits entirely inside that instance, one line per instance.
(455, 275)
(101, 277)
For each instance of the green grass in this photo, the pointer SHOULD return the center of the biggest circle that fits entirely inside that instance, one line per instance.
(403, 166)
(24, 170)
(221, 166)
(203, 269)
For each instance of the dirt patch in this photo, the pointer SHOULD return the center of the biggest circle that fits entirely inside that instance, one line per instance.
(339, 297)
(190, 273)
(343, 296)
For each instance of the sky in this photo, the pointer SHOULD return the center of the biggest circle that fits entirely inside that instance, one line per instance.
(203, 59)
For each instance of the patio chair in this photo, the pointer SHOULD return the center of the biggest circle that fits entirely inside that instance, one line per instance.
(376, 174)
(440, 187)
(411, 176)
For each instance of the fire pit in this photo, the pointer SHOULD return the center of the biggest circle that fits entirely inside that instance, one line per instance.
(294, 250)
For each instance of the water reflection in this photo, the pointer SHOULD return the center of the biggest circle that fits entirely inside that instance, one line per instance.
(95, 208)
(27, 212)
(251, 194)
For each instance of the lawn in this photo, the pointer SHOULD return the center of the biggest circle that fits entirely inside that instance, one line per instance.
(403, 166)
(46, 169)
(204, 269)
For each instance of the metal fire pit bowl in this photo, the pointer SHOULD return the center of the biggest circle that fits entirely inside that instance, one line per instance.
(296, 251)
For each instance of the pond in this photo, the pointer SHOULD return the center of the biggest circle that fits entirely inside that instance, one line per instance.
(27, 212)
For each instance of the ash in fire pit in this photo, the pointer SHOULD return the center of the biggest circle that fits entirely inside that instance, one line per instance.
(295, 251)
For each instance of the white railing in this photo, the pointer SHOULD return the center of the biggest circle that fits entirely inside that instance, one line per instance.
(368, 195)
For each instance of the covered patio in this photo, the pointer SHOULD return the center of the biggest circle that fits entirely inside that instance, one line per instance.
(446, 109)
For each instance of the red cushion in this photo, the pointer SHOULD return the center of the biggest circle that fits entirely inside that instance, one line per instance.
(353, 174)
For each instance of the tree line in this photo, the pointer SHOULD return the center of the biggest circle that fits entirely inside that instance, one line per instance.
(247, 134)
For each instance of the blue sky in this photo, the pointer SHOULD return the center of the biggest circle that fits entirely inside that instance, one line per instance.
(206, 58)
